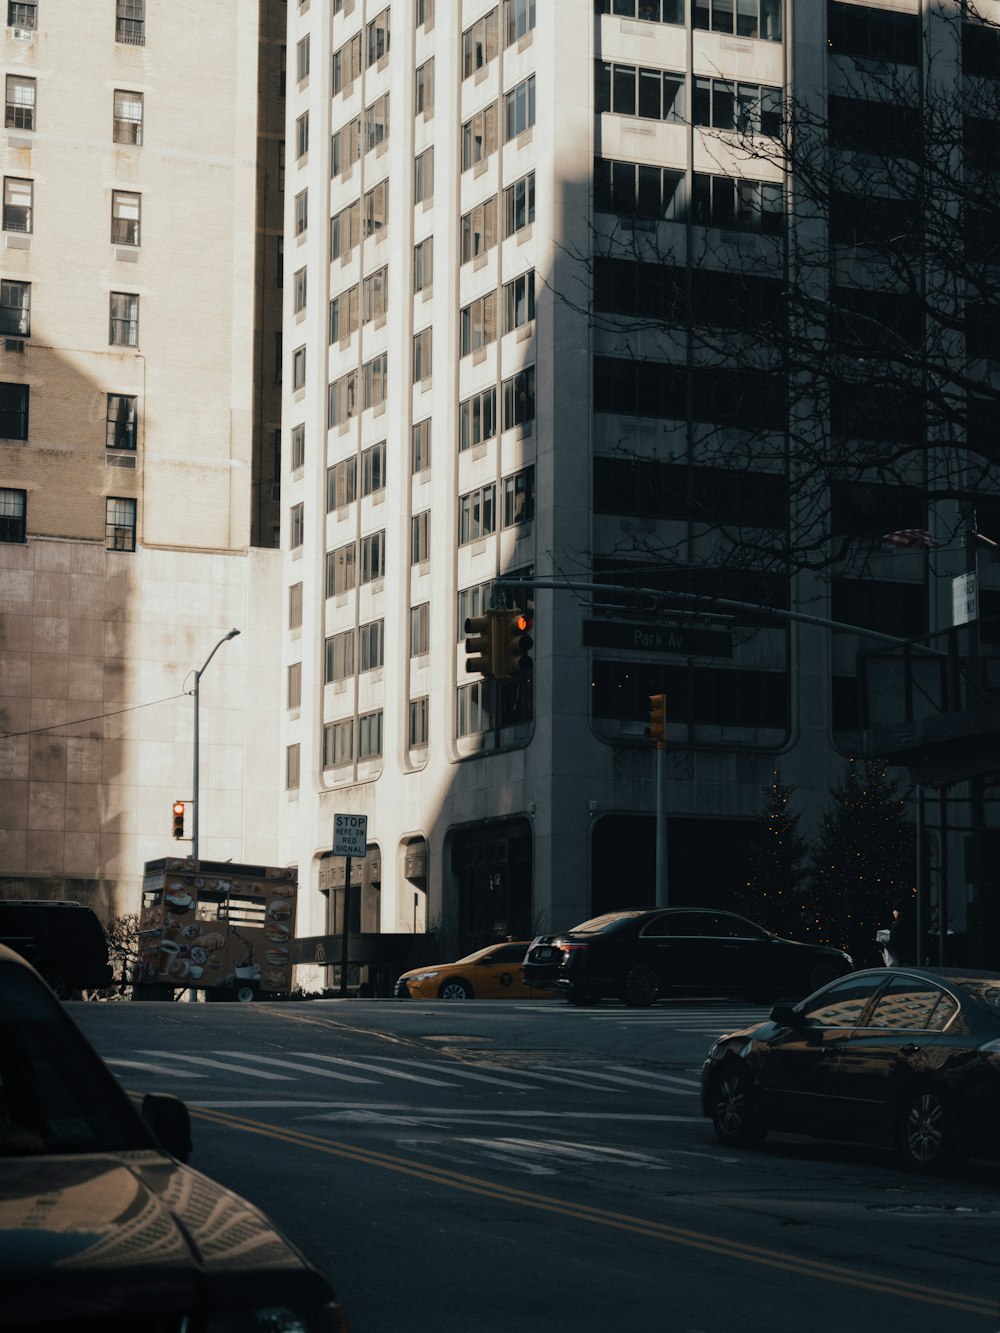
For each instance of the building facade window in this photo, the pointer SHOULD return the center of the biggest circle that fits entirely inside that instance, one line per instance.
(477, 514)
(472, 714)
(22, 15)
(342, 399)
(417, 730)
(338, 743)
(296, 526)
(373, 557)
(479, 136)
(377, 122)
(374, 380)
(518, 19)
(477, 419)
(302, 135)
(292, 764)
(13, 514)
(120, 523)
(420, 446)
(424, 90)
(632, 90)
(300, 290)
(425, 12)
(20, 104)
(472, 602)
(293, 694)
(295, 606)
(750, 108)
(650, 11)
(745, 18)
(128, 114)
(519, 108)
(371, 645)
(18, 204)
(375, 295)
(15, 308)
(338, 655)
(302, 59)
(375, 209)
(740, 205)
(519, 497)
(121, 426)
(299, 368)
(420, 629)
(14, 411)
(423, 176)
(298, 447)
(632, 189)
(870, 32)
(519, 204)
(373, 468)
(423, 265)
(422, 355)
(370, 735)
(420, 537)
(479, 230)
(478, 325)
(519, 398)
(377, 38)
(130, 22)
(345, 147)
(125, 217)
(346, 65)
(341, 570)
(479, 44)
(345, 230)
(519, 301)
(301, 212)
(341, 484)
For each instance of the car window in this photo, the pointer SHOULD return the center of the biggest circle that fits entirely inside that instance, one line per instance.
(601, 925)
(56, 1096)
(738, 927)
(683, 923)
(912, 1002)
(507, 953)
(840, 1004)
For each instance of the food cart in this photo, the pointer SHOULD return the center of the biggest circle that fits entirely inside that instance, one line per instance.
(218, 927)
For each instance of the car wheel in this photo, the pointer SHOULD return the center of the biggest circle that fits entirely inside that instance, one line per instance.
(640, 986)
(246, 994)
(455, 990)
(60, 985)
(581, 996)
(821, 974)
(926, 1130)
(734, 1112)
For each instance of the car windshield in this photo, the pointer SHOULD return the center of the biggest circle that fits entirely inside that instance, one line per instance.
(55, 1094)
(601, 925)
(471, 957)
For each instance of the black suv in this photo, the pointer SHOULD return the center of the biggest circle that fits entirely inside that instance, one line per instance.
(64, 941)
(642, 954)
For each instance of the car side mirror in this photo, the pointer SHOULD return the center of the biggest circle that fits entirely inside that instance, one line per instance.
(170, 1121)
(785, 1016)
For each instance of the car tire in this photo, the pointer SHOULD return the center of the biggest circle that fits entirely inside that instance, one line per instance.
(926, 1140)
(58, 983)
(735, 1117)
(246, 994)
(455, 989)
(581, 996)
(822, 974)
(639, 986)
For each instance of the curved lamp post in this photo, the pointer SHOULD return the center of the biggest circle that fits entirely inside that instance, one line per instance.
(197, 682)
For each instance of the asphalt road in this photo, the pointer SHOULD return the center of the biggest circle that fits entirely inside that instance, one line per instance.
(472, 1168)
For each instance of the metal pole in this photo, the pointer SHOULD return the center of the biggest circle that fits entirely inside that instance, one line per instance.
(195, 802)
(343, 933)
(662, 884)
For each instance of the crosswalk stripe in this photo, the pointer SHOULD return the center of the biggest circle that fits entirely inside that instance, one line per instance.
(299, 1068)
(610, 1078)
(660, 1078)
(219, 1068)
(456, 1073)
(379, 1069)
(150, 1067)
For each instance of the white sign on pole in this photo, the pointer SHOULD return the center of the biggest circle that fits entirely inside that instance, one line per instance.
(964, 599)
(350, 835)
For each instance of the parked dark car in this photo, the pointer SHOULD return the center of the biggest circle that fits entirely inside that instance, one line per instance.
(101, 1225)
(899, 1057)
(64, 941)
(642, 954)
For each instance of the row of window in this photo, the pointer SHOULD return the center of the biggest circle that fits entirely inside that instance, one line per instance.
(121, 419)
(744, 18)
(18, 210)
(119, 518)
(480, 43)
(130, 19)
(21, 109)
(654, 194)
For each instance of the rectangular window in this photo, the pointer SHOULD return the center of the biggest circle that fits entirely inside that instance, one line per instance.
(120, 524)
(625, 90)
(298, 449)
(477, 419)
(341, 572)
(13, 514)
(420, 446)
(479, 230)
(125, 207)
(425, 12)
(341, 484)
(373, 468)
(870, 33)
(342, 399)
(519, 301)
(377, 122)
(18, 199)
(479, 44)
(519, 497)
(418, 723)
(14, 411)
(121, 421)
(424, 90)
(124, 331)
(338, 743)
(295, 606)
(128, 111)
(740, 205)
(422, 355)
(345, 231)
(748, 107)
(301, 212)
(15, 308)
(420, 629)
(302, 59)
(374, 374)
(423, 176)
(344, 314)
(479, 323)
(20, 113)
(420, 537)
(519, 204)
(370, 735)
(519, 109)
(345, 147)
(281, 166)
(22, 14)
(477, 514)
(423, 265)
(640, 191)
(519, 18)
(375, 295)
(292, 764)
(371, 645)
(130, 22)
(299, 368)
(372, 557)
(338, 657)
(479, 136)
(346, 66)
(376, 208)
(472, 602)
(301, 289)
(278, 357)
(519, 398)
(473, 714)
(377, 38)
(296, 526)
(293, 696)
(302, 135)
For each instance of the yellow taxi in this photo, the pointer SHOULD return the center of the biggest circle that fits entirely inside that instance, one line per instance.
(493, 973)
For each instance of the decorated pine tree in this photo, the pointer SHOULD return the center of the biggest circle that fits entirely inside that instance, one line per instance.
(777, 863)
(864, 863)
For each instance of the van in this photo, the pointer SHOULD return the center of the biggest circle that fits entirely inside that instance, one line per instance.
(64, 941)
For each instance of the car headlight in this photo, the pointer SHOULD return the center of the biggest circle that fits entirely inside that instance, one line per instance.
(328, 1318)
(421, 976)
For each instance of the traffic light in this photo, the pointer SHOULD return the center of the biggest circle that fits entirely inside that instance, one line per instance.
(516, 646)
(179, 819)
(657, 728)
(481, 643)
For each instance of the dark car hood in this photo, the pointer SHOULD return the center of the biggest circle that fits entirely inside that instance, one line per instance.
(111, 1234)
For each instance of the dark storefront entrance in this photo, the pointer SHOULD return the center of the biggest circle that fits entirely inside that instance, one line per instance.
(493, 870)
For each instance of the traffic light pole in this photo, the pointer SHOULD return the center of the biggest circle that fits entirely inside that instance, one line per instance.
(662, 882)
(195, 802)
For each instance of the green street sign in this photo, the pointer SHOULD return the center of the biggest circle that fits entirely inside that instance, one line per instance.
(646, 638)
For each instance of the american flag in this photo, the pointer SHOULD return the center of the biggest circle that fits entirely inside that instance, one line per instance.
(908, 538)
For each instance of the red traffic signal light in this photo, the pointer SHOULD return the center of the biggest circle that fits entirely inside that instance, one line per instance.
(516, 646)
(481, 645)
(179, 808)
(657, 728)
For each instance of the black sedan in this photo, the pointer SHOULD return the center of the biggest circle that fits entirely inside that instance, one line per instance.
(642, 954)
(907, 1058)
(101, 1225)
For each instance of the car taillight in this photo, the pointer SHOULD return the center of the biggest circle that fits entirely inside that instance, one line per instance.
(573, 948)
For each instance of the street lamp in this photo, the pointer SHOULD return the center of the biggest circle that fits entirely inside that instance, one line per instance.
(195, 804)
